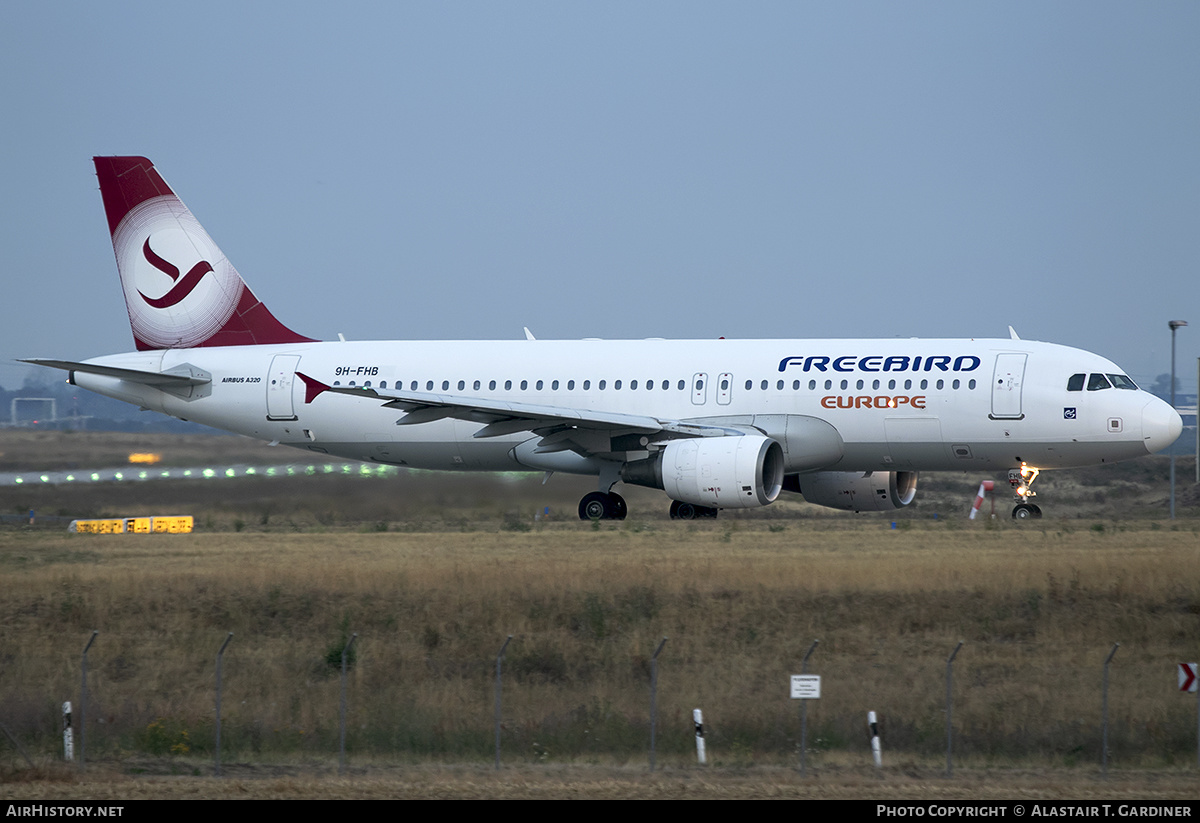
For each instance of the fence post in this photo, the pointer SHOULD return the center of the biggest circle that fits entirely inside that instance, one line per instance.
(499, 659)
(83, 702)
(342, 708)
(1104, 710)
(654, 700)
(217, 753)
(950, 710)
(804, 713)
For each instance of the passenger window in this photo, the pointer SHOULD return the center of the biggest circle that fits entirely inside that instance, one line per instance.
(413, 387)
(601, 385)
(445, 385)
(682, 384)
(764, 385)
(779, 386)
(1075, 382)
(858, 385)
(891, 384)
(633, 385)
(554, 385)
(538, 385)
(428, 385)
(617, 385)
(524, 385)
(491, 385)
(587, 384)
(845, 385)
(476, 385)
(1098, 382)
(971, 383)
(924, 384)
(462, 384)
(828, 385)
(812, 385)
(508, 385)
(907, 385)
(955, 384)
(749, 384)
(570, 385)
(795, 385)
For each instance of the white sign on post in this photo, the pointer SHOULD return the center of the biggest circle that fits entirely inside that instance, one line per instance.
(806, 686)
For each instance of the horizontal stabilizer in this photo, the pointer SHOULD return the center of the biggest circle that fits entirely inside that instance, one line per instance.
(175, 378)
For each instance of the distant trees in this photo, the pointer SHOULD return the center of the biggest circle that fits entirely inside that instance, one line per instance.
(1162, 387)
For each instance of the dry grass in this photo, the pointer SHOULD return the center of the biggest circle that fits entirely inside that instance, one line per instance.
(739, 607)
(320, 781)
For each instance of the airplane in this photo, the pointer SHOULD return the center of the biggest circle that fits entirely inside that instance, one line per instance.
(716, 424)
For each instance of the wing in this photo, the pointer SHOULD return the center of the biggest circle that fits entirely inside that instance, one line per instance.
(561, 428)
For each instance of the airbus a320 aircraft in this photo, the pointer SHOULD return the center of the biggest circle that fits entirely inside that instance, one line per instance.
(716, 424)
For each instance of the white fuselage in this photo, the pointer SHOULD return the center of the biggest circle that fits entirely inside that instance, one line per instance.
(911, 404)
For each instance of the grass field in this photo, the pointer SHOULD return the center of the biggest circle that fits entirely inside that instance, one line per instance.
(433, 572)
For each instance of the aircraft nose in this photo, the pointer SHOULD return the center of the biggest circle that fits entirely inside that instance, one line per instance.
(1161, 425)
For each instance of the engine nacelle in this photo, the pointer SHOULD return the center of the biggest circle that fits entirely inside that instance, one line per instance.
(856, 491)
(719, 472)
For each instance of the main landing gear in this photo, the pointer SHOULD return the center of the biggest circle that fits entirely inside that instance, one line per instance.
(1021, 480)
(611, 506)
(690, 511)
(602, 506)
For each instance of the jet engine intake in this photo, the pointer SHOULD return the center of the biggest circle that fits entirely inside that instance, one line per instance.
(718, 472)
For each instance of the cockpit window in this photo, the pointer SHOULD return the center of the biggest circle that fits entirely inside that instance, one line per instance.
(1097, 382)
(1120, 381)
(1075, 382)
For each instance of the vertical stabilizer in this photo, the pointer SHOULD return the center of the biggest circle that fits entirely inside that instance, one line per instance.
(180, 289)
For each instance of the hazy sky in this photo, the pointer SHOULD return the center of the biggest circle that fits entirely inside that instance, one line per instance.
(642, 169)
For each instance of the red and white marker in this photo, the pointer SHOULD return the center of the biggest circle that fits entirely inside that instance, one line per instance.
(1187, 677)
(984, 487)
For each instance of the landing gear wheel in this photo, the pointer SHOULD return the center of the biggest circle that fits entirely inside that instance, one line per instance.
(684, 511)
(596, 506)
(690, 511)
(1026, 511)
(601, 506)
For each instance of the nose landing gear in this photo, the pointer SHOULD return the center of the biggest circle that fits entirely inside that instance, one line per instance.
(1021, 481)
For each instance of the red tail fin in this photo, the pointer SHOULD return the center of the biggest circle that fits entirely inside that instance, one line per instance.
(155, 238)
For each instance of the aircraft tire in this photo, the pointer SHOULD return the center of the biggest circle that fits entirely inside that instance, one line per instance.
(683, 511)
(1024, 511)
(596, 506)
(618, 507)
